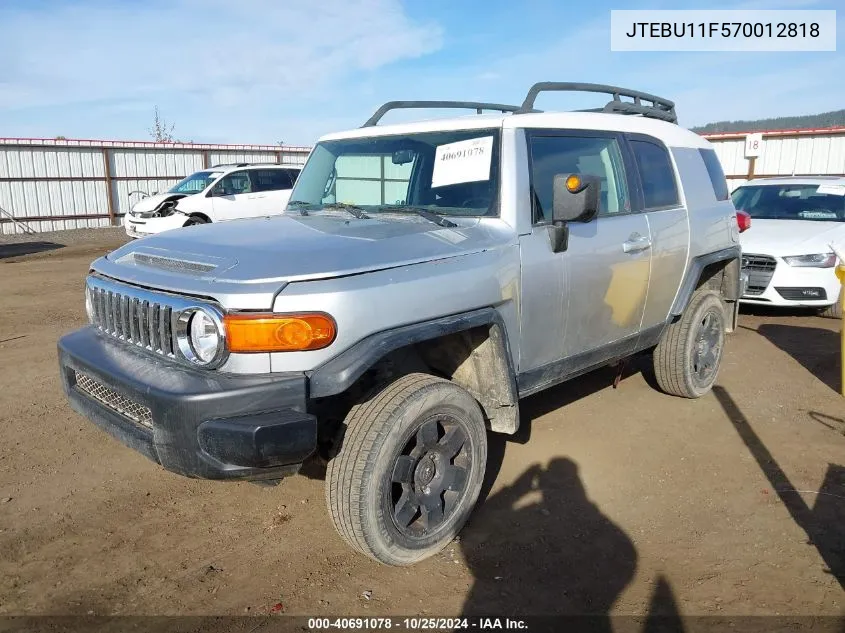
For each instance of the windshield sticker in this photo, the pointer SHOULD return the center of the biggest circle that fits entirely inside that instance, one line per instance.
(831, 190)
(818, 215)
(464, 161)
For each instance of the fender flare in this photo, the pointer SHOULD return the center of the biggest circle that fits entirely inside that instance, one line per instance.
(338, 374)
(693, 275)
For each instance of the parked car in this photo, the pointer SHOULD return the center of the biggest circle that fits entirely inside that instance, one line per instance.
(787, 254)
(424, 277)
(223, 192)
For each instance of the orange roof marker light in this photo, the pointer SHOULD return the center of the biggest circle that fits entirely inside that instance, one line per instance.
(279, 332)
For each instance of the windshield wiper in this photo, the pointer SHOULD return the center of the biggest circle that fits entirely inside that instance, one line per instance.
(357, 211)
(429, 215)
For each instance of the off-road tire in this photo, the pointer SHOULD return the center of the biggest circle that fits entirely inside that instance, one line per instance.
(360, 479)
(675, 356)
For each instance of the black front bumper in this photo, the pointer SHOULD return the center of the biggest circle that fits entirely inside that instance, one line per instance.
(196, 423)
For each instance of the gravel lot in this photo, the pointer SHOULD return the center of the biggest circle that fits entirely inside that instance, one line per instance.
(618, 501)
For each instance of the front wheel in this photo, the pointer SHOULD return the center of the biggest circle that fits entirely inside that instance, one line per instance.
(195, 220)
(833, 311)
(687, 358)
(409, 469)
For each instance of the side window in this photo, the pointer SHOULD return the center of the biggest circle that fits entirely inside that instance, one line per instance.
(370, 179)
(592, 156)
(717, 175)
(233, 184)
(657, 174)
(269, 179)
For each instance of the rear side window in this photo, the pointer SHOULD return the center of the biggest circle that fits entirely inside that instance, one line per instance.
(717, 175)
(271, 179)
(660, 190)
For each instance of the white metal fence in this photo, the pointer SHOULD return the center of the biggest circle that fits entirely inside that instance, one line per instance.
(781, 153)
(50, 185)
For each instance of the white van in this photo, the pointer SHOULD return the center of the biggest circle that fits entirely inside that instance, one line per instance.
(223, 192)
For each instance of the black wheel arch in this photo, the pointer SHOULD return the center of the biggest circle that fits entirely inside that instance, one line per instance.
(470, 348)
(720, 271)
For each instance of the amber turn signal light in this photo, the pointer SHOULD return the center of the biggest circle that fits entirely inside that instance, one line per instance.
(278, 332)
(573, 184)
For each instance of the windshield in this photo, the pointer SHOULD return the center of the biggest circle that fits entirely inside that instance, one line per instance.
(195, 182)
(792, 202)
(451, 173)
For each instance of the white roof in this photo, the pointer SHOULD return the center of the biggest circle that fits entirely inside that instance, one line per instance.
(669, 133)
(797, 180)
(235, 166)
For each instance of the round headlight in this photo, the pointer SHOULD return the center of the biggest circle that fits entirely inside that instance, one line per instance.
(204, 336)
(199, 336)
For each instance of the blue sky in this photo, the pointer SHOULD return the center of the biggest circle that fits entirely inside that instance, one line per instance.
(263, 71)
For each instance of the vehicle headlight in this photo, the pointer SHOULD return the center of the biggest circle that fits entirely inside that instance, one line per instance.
(818, 260)
(199, 334)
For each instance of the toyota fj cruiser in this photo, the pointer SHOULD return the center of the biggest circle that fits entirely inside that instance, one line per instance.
(424, 278)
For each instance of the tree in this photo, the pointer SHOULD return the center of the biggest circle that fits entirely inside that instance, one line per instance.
(161, 131)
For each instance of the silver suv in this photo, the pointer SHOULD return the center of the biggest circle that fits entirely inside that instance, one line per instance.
(424, 277)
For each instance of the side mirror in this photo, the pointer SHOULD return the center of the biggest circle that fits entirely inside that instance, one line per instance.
(575, 198)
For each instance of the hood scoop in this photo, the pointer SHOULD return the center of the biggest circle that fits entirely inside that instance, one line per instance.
(181, 263)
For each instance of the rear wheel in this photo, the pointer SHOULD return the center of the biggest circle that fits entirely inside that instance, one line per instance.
(687, 359)
(409, 469)
(195, 220)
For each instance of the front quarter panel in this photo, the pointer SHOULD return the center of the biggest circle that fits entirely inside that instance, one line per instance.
(365, 304)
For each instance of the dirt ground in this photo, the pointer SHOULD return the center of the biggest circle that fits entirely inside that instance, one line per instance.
(618, 501)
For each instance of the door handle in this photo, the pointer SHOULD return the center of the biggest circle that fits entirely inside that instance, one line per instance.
(636, 243)
(256, 196)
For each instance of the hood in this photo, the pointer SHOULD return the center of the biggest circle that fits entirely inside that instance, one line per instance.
(791, 237)
(262, 255)
(150, 203)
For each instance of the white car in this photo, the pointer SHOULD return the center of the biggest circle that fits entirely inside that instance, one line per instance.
(787, 253)
(223, 192)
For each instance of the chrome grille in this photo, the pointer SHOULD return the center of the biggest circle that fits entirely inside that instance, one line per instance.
(136, 412)
(760, 269)
(138, 317)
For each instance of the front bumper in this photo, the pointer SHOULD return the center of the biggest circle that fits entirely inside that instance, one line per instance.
(196, 423)
(137, 226)
(791, 285)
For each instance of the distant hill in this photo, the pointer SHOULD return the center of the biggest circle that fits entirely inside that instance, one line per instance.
(807, 121)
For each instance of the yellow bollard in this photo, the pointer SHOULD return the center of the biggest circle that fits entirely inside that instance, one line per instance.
(840, 275)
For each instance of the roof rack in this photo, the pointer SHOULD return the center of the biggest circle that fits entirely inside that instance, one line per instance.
(657, 108)
(463, 105)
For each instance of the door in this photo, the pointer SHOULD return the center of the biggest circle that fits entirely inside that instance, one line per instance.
(230, 196)
(667, 220)
(270, 191)
(584, 304)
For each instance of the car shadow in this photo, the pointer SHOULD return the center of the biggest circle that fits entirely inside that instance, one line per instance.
(817, 349)
(824, 522)
(19, 249)
(756, 309)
